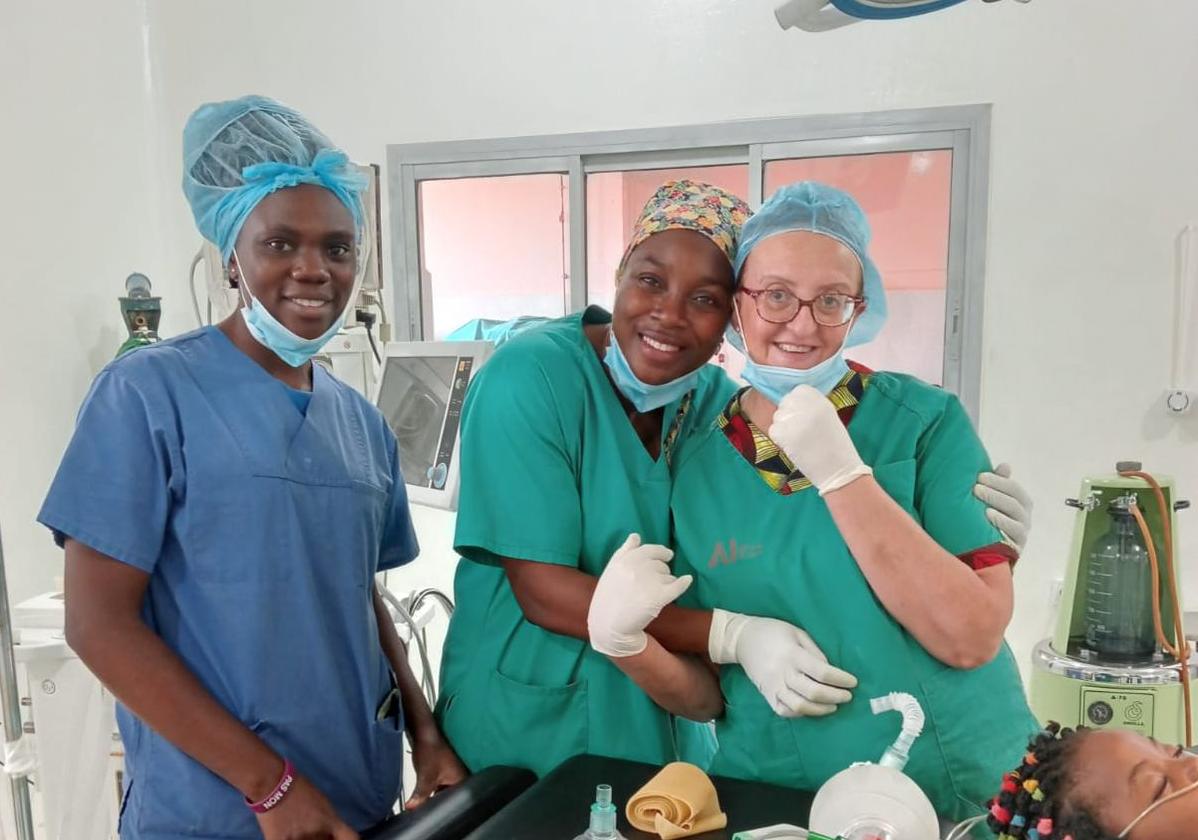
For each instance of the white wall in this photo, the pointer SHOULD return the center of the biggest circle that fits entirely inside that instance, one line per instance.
(80, 213)
(1092, 173)
(78, 142)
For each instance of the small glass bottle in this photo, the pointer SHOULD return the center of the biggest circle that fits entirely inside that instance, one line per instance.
(603, 817)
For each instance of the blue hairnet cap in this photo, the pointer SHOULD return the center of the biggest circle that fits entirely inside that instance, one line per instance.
(878, 11)
(238, 152)
(818, 208)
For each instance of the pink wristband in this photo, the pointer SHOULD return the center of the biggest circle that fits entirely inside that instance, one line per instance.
(275, 796)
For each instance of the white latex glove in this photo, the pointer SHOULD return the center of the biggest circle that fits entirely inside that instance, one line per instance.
(788, 668)
(807, 428)
(632, 590)
(1008, 505)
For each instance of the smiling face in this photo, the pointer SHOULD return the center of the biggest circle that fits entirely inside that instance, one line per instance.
(807, 266)
(296, 255)
(672, 304)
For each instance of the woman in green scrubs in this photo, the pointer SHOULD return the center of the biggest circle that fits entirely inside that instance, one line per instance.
(569, 439)
(839, 499)
(568, 435)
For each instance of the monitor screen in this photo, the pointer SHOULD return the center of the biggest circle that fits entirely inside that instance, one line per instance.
(422, 388)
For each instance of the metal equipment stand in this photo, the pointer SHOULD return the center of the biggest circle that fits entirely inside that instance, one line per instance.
(10, 696)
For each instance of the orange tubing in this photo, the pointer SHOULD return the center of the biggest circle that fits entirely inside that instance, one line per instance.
(1179, 649)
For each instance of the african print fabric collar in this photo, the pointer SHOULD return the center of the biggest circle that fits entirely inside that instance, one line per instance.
(772, 465)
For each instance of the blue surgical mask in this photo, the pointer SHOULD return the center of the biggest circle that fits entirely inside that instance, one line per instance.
(644, 397)
(776, 382)
(267, 331)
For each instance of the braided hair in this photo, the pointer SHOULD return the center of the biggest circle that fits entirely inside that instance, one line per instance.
(1038, 800)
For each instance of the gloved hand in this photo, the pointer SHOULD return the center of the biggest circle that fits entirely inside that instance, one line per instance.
(808, 429)
(789, 670)
(1008, 505)
(632, 590)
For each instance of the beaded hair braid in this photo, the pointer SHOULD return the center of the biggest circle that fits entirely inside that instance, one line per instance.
(1035, 802)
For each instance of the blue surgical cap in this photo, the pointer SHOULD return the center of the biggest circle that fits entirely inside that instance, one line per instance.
(815, 207)
(236, 153)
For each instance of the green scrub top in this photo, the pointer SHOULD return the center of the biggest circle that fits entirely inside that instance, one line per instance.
(755, 551)
(552, 471)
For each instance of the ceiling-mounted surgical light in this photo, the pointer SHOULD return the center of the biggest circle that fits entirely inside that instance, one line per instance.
(822, 15)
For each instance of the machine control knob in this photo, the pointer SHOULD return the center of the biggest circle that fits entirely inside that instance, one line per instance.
(1100, 713)
(1178, 402)
(438, 474)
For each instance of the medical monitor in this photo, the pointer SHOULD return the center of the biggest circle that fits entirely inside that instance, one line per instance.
(420, 393)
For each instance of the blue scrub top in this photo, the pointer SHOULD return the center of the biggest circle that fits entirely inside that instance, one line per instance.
(261, 527)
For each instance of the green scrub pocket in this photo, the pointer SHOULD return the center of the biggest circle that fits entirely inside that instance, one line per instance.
(982, 723)
(522, 720)
(758, 745)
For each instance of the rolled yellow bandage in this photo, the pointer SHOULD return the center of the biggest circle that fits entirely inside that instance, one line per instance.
(677, 802)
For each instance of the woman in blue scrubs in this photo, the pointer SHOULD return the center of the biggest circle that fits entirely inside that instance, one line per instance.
(224, 506)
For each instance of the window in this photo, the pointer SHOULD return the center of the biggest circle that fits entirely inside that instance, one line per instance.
(494, 248)
(906, 196)
(536, 226)
(614, 202)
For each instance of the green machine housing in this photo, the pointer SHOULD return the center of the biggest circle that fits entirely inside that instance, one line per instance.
(1074, 684)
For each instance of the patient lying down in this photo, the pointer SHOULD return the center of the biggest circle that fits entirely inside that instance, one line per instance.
(1087, 784)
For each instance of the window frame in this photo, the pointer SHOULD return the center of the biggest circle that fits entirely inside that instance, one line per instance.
(965, 130)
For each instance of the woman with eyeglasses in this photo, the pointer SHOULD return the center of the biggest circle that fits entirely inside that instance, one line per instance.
(840, 500)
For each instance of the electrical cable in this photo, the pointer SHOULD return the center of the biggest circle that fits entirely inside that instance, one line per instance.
(419, 635)
(374, 348)
(191, 283)
(962, 829)
(367, 319)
